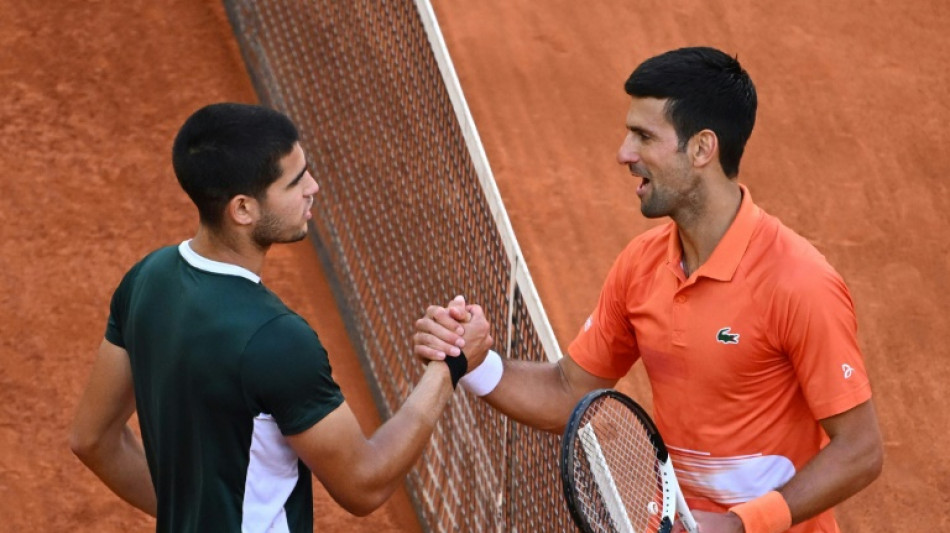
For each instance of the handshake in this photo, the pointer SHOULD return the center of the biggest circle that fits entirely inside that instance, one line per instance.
(443, 333)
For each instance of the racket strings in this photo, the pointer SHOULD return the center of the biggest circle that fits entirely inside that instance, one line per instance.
(616, 462)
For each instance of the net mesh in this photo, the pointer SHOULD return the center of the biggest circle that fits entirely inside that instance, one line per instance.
(408, 215)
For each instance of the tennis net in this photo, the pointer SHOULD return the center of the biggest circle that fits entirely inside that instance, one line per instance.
(408, 215)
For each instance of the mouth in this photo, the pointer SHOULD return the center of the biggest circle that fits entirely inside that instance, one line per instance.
(644, 181)
(643, 187)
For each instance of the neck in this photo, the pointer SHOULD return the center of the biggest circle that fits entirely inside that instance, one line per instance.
(225, 247)
(700, 232)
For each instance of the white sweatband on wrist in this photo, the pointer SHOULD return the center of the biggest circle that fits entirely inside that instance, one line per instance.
(485, 377)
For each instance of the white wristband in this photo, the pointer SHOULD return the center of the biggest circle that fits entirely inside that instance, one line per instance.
(485, 377)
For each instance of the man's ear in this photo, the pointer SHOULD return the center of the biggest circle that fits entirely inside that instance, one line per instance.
(243, 210)
(704, 148)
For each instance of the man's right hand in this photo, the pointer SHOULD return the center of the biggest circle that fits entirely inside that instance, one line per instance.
(445, 331)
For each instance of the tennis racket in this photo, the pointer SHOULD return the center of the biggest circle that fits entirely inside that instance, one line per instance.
(616, 471)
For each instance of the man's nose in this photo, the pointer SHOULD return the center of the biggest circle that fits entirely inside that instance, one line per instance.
(314, 186)
(627, 153)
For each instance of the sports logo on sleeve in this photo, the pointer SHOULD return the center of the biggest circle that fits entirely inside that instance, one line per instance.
(848, 370)
(725, 336)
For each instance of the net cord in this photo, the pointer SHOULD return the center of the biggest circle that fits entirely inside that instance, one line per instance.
(520, 276)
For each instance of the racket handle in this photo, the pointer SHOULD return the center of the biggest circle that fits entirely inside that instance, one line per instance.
(686, 517)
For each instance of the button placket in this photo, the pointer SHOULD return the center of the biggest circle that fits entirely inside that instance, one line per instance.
(680, 318)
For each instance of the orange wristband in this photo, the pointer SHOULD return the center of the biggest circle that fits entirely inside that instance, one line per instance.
(766, 514)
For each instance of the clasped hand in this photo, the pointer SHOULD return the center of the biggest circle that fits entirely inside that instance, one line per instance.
(447, 331)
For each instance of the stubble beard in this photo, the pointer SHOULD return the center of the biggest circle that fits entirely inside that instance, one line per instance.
(665, 198)
(268, 231)
(657, 204)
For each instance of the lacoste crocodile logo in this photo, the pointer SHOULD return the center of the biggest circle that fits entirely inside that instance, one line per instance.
(727, 337)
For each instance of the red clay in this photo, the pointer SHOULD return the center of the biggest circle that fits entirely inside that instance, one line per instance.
(93, 94)
(849, 150)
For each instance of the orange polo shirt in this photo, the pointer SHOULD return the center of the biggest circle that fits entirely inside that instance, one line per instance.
(744, 357)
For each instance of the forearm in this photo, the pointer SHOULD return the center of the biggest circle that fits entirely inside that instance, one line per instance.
(535, 394)
(396, 446)
(851, 461)
(120, 463)
(839, 471)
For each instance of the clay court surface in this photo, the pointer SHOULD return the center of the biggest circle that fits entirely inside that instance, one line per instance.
(850, 149)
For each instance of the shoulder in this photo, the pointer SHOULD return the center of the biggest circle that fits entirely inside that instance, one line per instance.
(656, 237)
(797, 255)
(283, 350)
(285, 337)
(287, 323)
(795, 268)
(647, 249)
(155, 259)
(286, 372)
(163, 255)
(638, 261)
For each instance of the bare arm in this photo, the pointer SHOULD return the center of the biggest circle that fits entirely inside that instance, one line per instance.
(538, 394)
(360, 473)
(101, 437)
(850, 462)
(543, 394)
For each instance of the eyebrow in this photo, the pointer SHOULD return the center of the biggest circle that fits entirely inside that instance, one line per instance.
(298, 176)
(641, 130)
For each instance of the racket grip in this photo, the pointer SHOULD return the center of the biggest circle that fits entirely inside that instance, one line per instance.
(686, 517)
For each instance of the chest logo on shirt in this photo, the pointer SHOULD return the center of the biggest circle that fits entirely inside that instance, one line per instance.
(727, 337)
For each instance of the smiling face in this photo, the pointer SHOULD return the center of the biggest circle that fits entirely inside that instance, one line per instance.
(651, 150)
(285, 207)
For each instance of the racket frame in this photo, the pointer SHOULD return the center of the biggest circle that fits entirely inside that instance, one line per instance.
(673, 501)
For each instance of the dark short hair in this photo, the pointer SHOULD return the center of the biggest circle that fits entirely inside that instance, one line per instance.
(707, 89)
(228, 149)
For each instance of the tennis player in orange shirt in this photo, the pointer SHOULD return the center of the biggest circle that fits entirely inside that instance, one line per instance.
(748, 335)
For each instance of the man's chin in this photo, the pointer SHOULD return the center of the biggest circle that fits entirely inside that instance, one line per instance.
(652, 211)
(297, 237)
